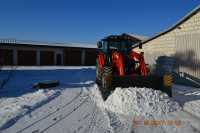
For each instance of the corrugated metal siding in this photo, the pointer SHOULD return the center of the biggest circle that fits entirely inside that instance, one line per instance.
(187, 47)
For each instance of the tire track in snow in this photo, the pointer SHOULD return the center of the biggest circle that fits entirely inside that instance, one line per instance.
(92, 122)
(50, 114)
(65, 116)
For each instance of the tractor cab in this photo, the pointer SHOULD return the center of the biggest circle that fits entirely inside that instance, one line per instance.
(116, 51)
(121, 43)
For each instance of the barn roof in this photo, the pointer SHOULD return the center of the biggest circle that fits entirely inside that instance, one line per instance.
(182, 20)
(41, 43)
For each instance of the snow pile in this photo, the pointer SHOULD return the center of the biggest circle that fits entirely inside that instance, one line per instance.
(136, 102)
(123, 105)
(14, 107)
(140, 102)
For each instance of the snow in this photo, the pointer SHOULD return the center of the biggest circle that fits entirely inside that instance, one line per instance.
(127, 104)
(42, 43)
(189, 98)
(140, 101)
(18, 98)
(12, 108)
(46, 67)
(77, 106)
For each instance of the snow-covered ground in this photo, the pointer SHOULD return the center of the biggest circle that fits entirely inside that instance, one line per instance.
(18, 98)
(76, 105)
(189, 98)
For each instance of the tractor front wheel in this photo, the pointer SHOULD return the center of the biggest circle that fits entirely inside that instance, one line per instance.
(107, 78)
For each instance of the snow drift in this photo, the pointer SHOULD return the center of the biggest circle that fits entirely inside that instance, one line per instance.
(125, 104)
(137, 102)
(140, 102)
(14, 108)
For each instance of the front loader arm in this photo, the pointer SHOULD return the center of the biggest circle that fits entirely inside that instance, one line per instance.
(101, 61)
(118, 63)
(139, 57)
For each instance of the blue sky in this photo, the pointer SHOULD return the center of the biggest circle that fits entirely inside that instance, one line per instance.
(87, 20)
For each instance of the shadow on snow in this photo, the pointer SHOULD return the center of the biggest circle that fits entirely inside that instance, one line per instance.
(22, 81)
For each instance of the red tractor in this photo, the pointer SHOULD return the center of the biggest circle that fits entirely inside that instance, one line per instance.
(118, 65)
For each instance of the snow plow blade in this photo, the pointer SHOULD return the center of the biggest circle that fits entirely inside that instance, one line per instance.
(162, 83)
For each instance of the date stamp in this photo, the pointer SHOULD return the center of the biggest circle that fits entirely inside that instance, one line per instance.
(158, 122)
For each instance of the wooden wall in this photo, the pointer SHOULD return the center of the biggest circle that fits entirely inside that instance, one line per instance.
(6, 57)
(26, 57)
(47, 58)
(90, 57)
(37, 55)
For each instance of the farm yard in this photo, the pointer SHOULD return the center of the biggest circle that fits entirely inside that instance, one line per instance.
(77, 106)
(99, 66)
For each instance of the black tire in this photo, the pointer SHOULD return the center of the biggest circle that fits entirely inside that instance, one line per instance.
(98, 73)
(107, 78)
